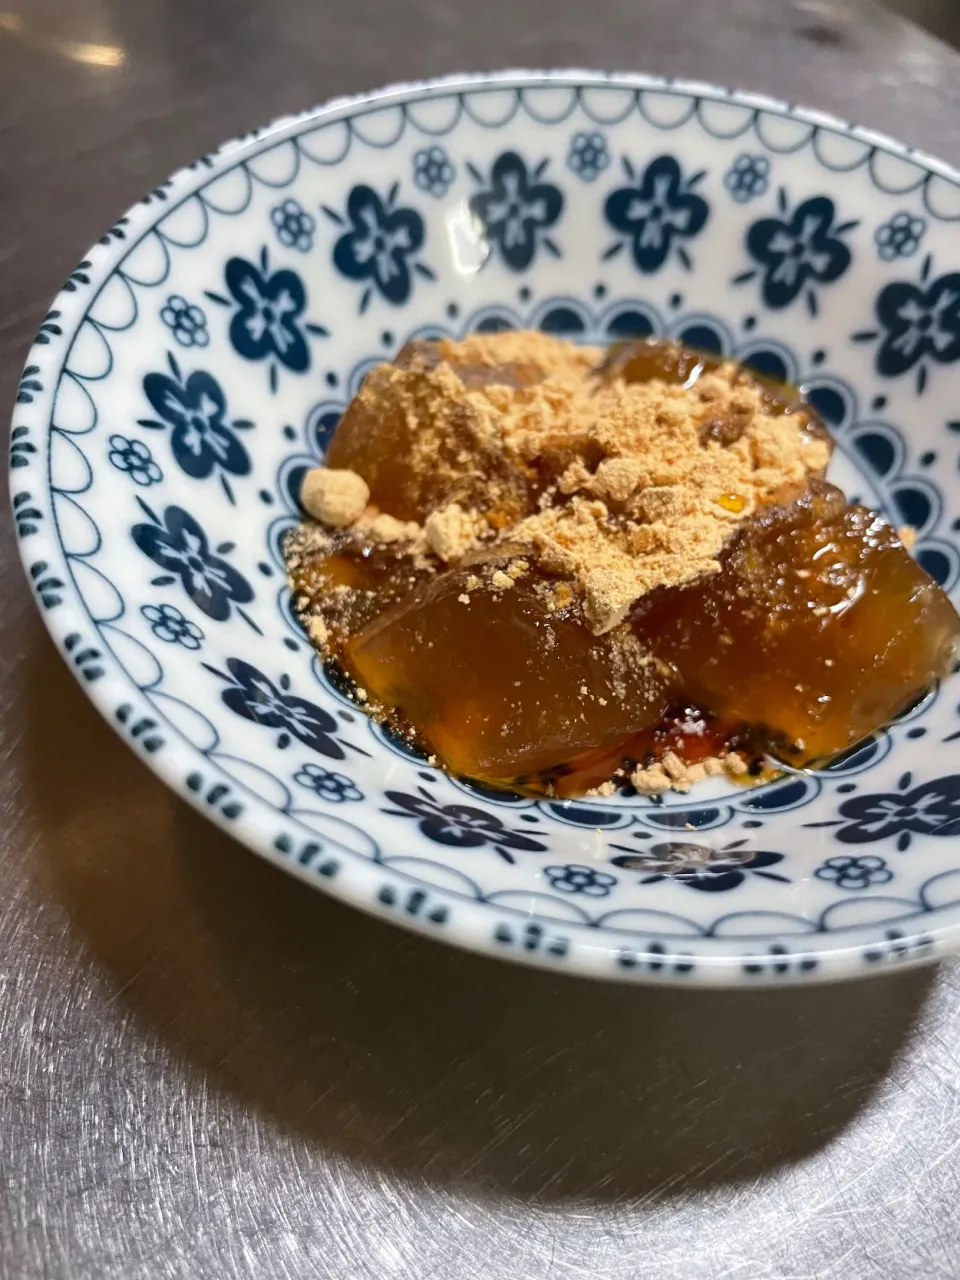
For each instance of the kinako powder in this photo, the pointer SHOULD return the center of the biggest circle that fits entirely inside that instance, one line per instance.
(522, 443)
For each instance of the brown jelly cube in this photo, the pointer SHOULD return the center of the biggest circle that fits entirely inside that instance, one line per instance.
(647, 359)
(377, 437)
(351, 582)
(818, 626)
(502, 688)
(508, 373)
(408, 433)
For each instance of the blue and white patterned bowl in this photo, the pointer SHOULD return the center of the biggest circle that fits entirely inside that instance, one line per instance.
(198, 359)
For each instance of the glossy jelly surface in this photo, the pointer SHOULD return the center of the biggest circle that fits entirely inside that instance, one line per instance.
(502, 686)
(818, 627)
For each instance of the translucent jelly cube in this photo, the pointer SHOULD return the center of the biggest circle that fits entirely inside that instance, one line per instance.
(418, 445)
(819, 626)
(505, 683)
(647, 359)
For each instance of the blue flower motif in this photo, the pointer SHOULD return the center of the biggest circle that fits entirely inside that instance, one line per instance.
(655, 212)
(133, 457)
(179, 545)
(855, 873)
(255, 697)
(699, 867)
(433, 171)
(460, 825)
(168, 623)
(517, 209)
(797, 250)
(187, 322)
(195, 407)
(747, 177)
(380, 245)
(900, 237)
(920, 322)
(588, 155)
(577, 879)
(268, 321)
(932, 809)
(293, 225)
(269, 308)
(335, 787)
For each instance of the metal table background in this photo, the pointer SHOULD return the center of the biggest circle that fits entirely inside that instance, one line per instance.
(207, 1070)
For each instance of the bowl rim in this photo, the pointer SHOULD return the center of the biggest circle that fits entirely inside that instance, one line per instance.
(370, 886)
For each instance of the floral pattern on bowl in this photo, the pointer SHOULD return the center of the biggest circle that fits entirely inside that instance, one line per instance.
(196, 364)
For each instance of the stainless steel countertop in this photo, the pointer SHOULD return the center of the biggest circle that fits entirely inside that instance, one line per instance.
(208, 1071)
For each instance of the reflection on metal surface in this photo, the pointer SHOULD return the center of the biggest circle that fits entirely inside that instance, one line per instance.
(209, 1072)
(89, 52)
(97, 55)
(940, 17)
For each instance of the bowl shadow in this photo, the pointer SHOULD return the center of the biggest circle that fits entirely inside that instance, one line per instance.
(399, 1054)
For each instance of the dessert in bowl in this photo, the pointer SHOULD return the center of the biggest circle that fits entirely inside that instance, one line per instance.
(194, 371)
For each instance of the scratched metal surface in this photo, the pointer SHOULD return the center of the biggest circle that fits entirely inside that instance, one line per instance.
(207, 1071)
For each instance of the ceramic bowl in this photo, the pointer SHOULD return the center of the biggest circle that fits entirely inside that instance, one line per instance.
(200, 355)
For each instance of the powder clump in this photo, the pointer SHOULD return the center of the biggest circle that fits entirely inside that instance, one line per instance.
(335, 498)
